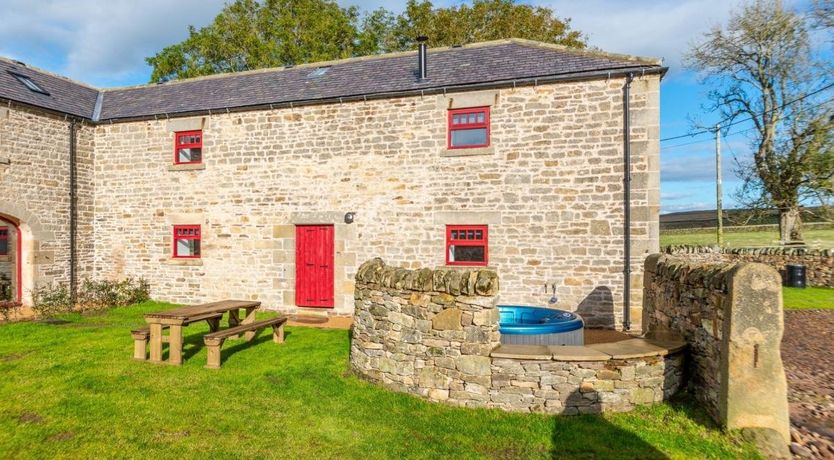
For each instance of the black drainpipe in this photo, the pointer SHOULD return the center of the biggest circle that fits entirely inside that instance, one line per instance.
(73, 211)
(627, 202)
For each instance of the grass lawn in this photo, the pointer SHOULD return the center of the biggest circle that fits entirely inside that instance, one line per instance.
(810, 298)
(73, 391)
(815, 238)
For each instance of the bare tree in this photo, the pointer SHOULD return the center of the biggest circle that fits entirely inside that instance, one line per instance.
(762, 68)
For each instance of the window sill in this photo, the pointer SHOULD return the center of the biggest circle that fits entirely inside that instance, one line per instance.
(477, 151)
(465, 267)
(187, 167)
(184, 262)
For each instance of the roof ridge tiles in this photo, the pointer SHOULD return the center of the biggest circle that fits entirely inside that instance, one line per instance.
(372, 57)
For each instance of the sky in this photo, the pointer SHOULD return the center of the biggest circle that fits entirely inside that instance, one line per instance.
(105, 43)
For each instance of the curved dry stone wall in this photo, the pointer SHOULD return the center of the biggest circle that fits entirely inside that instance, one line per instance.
(434, 333)
(730, 314)
(819, 262)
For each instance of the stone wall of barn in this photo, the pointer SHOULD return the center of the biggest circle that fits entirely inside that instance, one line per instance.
(35, 192)
(549, 187)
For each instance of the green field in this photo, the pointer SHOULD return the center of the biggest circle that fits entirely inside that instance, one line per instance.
(815, 238)
(73, 391)
(811, 298)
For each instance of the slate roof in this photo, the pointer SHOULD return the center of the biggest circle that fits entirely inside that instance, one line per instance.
(496, 62)
(65, 96)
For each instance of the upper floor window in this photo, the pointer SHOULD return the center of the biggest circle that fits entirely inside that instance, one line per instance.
(467, 245)
(187, 241)
(188, 147)
(4, 241)
(469, 128)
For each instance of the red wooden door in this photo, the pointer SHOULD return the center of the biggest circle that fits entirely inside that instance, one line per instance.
(314, 266)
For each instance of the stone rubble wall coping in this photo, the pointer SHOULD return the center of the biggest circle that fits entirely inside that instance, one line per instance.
(452, 281)
(819, 263)
(769, 250)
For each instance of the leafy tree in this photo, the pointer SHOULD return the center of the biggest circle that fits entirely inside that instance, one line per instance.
(762, 68)
(249, 34)
(481, 21)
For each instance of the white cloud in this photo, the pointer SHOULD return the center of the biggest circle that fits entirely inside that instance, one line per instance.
(95, 41)
(652, 28)
(691, 206)
(99, 41)
(675, 196)
(106, 41)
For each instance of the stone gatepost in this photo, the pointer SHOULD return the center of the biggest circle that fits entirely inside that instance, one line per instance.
(753, 386)
(731, 316)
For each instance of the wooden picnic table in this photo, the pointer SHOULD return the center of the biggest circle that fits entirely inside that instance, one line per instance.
(174, 320)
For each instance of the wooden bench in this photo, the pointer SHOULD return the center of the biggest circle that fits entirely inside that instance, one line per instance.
(142, 335)
(214, 341)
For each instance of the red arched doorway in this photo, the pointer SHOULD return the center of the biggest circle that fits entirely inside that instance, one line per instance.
(18, 263)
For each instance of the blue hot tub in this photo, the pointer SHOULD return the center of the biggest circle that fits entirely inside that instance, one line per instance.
(524, 325)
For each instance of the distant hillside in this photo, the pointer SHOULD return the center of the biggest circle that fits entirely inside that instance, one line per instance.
(732, 217)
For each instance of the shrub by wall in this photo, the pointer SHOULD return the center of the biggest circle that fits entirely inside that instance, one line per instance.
(50, 300)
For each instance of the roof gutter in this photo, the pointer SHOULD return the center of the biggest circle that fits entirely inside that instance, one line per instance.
(427, 91)
(64, 115)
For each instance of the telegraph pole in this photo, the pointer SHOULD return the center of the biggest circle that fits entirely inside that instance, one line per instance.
(718, 200)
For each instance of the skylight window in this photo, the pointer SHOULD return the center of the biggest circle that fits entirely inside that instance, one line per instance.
(318, 72)
(29, 83)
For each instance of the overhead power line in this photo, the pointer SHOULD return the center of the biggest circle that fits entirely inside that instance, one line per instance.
(726, 123)
(741, 131)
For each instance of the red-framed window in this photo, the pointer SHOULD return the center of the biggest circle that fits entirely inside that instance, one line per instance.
(467, 245)
(4, 241)
(188, 147)
(187, 240)
(468, 128)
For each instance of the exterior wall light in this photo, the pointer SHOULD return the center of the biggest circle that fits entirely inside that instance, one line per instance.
(349, 217)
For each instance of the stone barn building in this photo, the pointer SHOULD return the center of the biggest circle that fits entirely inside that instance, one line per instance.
(277, 184)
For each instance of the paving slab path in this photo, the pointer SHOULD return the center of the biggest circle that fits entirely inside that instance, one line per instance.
(808, 356)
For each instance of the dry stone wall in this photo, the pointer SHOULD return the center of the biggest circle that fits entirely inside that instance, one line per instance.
(549, 187)
(434, 333)
(731, 316)
(819, 262)
(429, 331)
